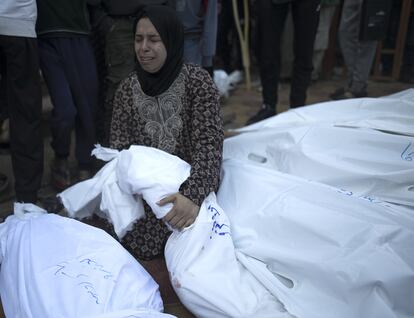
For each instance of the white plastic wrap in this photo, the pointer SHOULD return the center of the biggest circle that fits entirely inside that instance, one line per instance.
(319, 201)
(151, 173)
(322, 251)
(226, 82)
(207, 276)
(102, 195)
(201, 259)
(118, 188)
(394, 113)
(365, 161)
(56, 267)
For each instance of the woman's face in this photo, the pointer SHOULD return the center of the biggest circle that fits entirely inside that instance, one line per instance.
(149, 48)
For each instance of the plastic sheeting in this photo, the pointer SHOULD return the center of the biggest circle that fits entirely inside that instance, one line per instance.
(322, 251)
(207, 276)
(365, 146)
(321, 200)
(320, 214)
(365, 161)
(52, 266)
(201, 260)
(394, 113)
(117, 190)
(226, 82)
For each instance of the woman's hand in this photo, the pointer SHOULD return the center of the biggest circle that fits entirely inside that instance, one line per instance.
(183, 213)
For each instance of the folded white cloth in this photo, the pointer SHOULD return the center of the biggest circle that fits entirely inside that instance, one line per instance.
(57, 267)
(117, 190)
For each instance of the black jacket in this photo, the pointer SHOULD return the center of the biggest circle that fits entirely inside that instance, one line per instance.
(101, 13)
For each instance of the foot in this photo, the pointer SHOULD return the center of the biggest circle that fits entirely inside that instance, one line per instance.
(342, 93)
(84, 175)
(60, 174)
(4, 182)
(52, 204)
(265, 112)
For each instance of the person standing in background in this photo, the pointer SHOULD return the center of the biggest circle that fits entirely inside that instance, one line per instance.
(358, 55)
(114, 21)
(199, 18)
(328, 8)
(68, 66)
(228, 52)
(4, 127)
(271, 20)
(18, 47)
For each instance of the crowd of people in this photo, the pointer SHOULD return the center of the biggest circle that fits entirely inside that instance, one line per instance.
(123, 72)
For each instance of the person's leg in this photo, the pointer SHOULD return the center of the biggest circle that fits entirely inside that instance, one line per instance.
(3, 86)
(365, 55)
(4, 180)
(98, 45)
(120, 61)
(62, 121)
(271, 20)
(358, 55)
(322, 38)
(64, 112)
(4, 117)
(225, 22)
(407, 68)
(80, 69)
(348, 34)
(305, 15)
(192, 51)
(24, 100)
(363, 65)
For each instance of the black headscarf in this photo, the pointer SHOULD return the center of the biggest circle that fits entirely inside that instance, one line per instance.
(171, 32)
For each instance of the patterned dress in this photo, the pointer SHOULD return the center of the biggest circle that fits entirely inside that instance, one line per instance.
(184, 121)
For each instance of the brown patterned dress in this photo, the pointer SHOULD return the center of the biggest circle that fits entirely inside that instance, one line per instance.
(184, 121)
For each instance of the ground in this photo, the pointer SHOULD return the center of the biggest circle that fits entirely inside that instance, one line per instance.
(236, 109)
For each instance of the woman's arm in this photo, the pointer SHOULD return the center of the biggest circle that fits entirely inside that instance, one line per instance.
(206, 130)
(121, 123)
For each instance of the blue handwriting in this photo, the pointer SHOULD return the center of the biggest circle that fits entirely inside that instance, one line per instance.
(218, 228)
(407, 154)
(81, 270)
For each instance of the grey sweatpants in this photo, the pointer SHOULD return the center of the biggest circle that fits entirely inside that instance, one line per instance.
(358, 55)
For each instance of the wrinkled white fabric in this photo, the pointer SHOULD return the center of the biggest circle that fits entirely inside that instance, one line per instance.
(201, 260)
(226, 82)
(53, 266)
(101, 195)
(322, 251)
(314, 202)
(394, 113)
(118, 188)
(207, 276)
(137, 313)
(365, 161)
(152, 173)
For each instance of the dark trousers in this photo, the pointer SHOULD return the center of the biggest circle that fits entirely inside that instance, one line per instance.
(271, 21)
(68, 66)
(24, 107)
(228, 46)
(120, 61)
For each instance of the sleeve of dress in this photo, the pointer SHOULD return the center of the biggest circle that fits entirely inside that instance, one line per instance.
(206, 130)
(120, 132)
